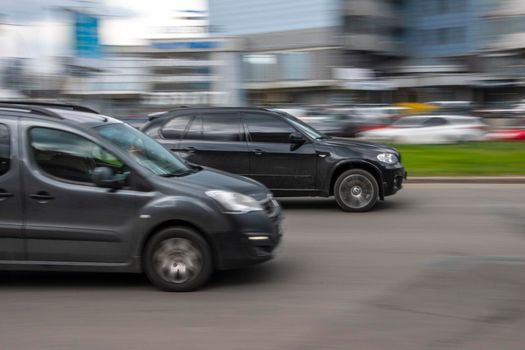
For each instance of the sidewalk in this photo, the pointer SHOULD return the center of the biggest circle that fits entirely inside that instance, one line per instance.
(467, 179)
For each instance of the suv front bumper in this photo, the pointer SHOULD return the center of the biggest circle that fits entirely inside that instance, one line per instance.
(393, 179)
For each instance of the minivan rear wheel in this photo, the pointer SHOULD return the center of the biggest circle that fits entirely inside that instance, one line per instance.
(356, 190)
(178, 259)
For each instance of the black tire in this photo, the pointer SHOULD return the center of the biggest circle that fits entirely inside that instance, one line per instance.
(178, 259)
(356, 190)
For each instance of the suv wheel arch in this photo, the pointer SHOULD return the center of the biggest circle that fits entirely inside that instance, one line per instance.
(359, 164)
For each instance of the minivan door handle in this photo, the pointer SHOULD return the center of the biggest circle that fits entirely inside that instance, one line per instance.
(41, 196)
(258, 151)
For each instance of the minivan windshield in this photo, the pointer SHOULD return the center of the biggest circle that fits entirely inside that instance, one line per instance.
(145, 151)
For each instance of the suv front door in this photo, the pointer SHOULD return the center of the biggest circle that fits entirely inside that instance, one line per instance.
(217, 140)
(68, 218)
(274, 160)
(11, 215)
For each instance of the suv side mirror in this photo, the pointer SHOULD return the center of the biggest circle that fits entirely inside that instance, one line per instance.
(297, 138)
(104, 177)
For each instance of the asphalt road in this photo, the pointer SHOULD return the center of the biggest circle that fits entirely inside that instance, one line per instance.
(434, 267)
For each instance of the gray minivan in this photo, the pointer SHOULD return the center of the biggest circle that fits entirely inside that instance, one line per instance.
(82, 191)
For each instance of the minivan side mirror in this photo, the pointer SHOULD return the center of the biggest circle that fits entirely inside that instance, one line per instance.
(104, 177)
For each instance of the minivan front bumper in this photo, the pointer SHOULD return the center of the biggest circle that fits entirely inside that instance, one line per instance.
(253, 238)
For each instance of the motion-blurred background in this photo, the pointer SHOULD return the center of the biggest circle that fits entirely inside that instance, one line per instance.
(353, 68)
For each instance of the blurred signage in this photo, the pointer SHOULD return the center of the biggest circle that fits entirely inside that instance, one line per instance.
(186, 45)
(353, 74)
(186, 98)
(87, 43)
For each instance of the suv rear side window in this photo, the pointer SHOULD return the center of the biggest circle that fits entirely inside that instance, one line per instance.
(5, 149)
(174, 129)
(266, 128)
(71, 157)
(221, 127)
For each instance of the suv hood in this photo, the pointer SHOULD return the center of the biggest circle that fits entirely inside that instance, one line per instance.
(358, 145)
(212, 179)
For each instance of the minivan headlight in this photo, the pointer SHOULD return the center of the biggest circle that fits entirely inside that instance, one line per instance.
(234, 202)
(387, 158)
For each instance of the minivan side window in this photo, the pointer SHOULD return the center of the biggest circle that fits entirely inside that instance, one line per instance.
(435, 121)
(266, 128)
(5, 149)
(174, 129)
(221, 127)
(71, 157)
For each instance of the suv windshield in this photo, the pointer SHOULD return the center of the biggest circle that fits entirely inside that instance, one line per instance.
(146, 152)
(303, 127)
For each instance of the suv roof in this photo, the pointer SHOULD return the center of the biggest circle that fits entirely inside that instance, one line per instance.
(184, 110)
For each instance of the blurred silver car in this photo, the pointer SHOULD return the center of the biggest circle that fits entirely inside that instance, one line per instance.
(430, 129)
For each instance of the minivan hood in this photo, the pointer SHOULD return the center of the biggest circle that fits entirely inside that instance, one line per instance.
(212, 179)
(358, 145)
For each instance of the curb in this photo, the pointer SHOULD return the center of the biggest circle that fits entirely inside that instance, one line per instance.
(467, 179)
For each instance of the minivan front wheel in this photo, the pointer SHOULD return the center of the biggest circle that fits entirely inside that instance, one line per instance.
(356, 190)
(178, 259)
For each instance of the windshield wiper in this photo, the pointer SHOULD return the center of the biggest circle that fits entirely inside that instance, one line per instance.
(182, 173)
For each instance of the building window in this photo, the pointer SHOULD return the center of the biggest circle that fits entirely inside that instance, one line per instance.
(294, 66)
(259, 67)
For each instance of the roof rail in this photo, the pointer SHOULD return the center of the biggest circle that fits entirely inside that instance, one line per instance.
(58, 105)
(28, 109)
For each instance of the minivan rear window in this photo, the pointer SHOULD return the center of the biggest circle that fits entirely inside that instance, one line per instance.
(5, 149)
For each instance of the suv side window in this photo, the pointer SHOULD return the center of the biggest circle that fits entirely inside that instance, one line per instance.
(266, 128)
(221, 127)
(174, 129)
(71, 157)
(195, 130)
(5, 149)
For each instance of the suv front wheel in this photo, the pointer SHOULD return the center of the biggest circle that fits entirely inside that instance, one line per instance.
(178, 259)
(356, 190)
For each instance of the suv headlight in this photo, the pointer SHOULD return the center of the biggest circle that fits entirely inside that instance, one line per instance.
(387, 158)
(234, 202)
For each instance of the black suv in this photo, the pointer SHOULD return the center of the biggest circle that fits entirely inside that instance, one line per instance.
(280, 151)
(82, 191)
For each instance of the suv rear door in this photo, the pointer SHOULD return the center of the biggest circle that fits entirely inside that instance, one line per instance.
(11, 215)
(274, 161)
(217, 140)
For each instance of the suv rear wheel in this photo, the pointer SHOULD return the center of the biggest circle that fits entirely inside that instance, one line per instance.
(356, 190)
(178, 259)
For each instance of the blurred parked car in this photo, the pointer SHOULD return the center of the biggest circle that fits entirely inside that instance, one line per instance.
(516, 132)
(430, 129)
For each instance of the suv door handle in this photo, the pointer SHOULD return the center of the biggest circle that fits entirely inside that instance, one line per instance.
(258, 151)
(4, 194)
(41, 196)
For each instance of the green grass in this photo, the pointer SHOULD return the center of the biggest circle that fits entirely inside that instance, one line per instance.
(465, 159)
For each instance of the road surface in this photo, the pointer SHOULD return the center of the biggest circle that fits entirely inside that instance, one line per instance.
(434, 267)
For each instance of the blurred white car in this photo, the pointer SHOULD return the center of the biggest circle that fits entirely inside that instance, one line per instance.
(430, 129)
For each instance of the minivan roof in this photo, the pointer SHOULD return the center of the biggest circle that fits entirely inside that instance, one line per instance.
(61, 111)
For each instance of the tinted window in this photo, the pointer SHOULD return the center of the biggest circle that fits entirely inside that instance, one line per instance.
(195, 130)
(71, 157)
(220, 127)
(174, 129)
(5, 149)
(266, 128)
(435, 122)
